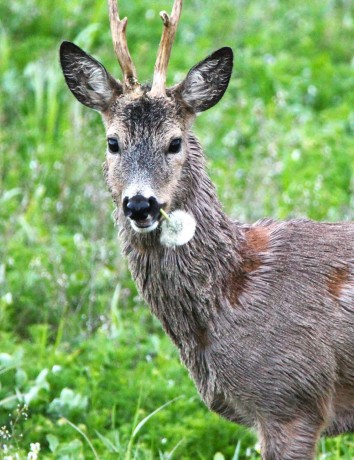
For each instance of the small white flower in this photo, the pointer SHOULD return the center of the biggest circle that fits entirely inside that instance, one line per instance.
(5, 433)
(177, 229)
(35, 447)
(56, 368)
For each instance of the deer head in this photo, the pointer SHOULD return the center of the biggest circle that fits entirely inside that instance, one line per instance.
(146, 126)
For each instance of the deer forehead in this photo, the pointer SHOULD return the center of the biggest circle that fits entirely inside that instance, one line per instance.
(158, 119)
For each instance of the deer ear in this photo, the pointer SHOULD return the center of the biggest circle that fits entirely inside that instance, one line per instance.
(87, 79)
(206, 82)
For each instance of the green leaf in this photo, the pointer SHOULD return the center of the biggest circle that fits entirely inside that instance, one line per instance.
(53, 442)
(218, 456)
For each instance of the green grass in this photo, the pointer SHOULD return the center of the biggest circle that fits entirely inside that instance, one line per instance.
(77, 343)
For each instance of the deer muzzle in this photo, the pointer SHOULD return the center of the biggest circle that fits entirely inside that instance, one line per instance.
(143, 212)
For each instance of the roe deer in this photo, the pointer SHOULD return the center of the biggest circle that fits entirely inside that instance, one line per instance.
(262, 314)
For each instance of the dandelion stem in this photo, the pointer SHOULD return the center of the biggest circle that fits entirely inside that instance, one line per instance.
(165, 215)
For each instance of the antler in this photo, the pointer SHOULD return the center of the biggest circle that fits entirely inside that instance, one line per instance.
(118, 30)
(170, 24)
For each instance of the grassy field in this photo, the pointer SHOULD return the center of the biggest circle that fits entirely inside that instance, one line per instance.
(85, 370)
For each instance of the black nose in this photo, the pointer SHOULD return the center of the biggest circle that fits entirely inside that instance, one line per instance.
(138, 207)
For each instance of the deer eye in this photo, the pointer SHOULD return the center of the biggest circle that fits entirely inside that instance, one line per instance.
(175, 146)
(113, 145)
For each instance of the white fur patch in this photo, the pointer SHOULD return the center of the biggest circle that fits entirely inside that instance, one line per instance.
(138, 188)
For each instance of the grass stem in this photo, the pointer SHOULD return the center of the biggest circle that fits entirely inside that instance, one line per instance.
(85, 437)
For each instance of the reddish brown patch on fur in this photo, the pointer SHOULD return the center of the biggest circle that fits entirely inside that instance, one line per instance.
(252, 263)
(256, 243)
(337, 280)
(235, 287)
(257, 239)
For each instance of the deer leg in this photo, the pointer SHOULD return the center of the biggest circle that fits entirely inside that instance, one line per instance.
(292, 440)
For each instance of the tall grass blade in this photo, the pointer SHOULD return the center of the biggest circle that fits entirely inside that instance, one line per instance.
(131, 440)
(169, 455)
(116, 320)
(108, 443)
(237, 451)
(84, 436)
(148, 417)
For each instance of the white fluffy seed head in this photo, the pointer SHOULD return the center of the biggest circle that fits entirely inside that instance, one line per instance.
(178, 230)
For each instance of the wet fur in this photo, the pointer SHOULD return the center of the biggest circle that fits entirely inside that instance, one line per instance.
(267, 342)
(263, 314)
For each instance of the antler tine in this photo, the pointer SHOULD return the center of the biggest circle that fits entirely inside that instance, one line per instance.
(119, 38)
(170, 24)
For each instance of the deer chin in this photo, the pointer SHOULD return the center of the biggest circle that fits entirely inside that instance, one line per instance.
(145, 227)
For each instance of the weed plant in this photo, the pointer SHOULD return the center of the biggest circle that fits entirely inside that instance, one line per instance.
(78, 346)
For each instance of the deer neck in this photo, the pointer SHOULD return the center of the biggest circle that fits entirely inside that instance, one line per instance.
(183, 286)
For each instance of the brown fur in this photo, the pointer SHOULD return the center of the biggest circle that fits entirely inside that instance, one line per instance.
(235, 287)
(257, 239)
(255, 244)
(337, 281)
(263, 314)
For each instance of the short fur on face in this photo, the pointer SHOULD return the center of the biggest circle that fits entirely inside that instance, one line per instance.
(144, 127)
(144, 130)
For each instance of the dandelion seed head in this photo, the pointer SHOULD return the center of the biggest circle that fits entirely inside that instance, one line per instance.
(178, 230)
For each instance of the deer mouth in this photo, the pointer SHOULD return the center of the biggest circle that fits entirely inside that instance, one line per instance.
(144, 226)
